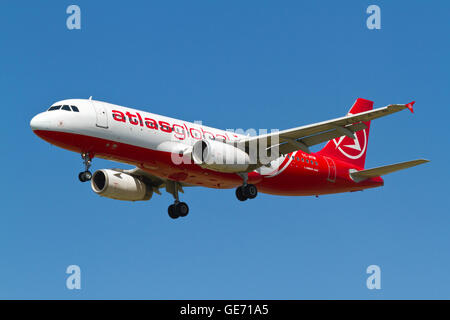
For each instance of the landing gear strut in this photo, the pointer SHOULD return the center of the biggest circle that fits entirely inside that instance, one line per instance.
(85, 175)
(177, 209)
(246, 191)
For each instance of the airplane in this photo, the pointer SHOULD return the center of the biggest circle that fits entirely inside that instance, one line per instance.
(173, 154)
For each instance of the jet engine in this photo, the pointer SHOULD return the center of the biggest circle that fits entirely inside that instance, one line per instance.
(220, 156)
(120, 186)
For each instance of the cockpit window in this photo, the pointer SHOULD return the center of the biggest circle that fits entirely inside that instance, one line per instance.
(64, 107)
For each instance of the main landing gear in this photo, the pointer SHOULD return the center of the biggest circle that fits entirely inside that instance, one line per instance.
(85, 175)
(246, 191)
(177, 209)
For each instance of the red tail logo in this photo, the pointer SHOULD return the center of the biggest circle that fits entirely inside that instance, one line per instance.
(356, 149)
(348, 149)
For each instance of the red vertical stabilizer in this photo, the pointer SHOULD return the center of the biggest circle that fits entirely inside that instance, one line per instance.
(347, 149)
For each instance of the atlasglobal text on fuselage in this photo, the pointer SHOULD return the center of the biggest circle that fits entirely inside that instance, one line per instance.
(170, 154)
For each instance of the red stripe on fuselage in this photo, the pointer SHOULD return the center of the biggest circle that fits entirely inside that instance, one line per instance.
(297, 179)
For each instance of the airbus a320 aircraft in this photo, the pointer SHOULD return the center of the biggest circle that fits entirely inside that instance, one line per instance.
(172, 154)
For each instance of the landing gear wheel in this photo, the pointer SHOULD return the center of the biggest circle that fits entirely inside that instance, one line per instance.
(179, 209)
(240, 194)
(85, 176)
(172, 212)
(182, 209)
(250, 191)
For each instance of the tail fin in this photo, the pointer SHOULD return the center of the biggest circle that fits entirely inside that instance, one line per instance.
(347, 149)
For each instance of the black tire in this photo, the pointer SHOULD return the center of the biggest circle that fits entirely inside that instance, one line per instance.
(182, 209)
(251, 191)
(82, 177)
(87, 175)
(172, 212)
(240, 194)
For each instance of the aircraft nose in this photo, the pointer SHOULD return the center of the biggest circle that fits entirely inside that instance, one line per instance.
(39, 122)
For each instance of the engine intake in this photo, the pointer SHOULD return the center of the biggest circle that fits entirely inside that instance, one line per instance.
(120, 186)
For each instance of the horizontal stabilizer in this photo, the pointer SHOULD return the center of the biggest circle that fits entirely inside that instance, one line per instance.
(380, 171)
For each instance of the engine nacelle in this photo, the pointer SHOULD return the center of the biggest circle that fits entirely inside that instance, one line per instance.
(220, 156)
(120, 186)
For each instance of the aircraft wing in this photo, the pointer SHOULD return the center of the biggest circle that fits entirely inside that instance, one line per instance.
(301, 138)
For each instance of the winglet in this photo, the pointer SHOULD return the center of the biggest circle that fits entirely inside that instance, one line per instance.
(410, 106)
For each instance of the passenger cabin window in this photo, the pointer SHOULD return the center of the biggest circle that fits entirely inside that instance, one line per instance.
(75, 109)
(65, 107)
(54, 108)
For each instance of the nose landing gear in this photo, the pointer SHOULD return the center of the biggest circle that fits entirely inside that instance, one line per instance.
(85, 175)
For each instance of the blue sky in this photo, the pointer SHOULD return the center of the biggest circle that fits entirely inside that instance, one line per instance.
(231, 64)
